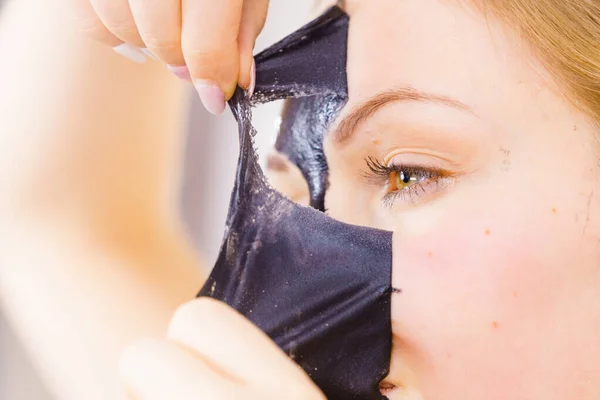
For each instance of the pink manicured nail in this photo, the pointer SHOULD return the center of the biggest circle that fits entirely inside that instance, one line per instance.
(132, 53)
(211, 95)
(182, 72)
(252, 79)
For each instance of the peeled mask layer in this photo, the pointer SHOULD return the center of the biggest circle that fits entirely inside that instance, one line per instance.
(319, 288)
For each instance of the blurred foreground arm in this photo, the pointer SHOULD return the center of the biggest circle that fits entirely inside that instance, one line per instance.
(92, 255)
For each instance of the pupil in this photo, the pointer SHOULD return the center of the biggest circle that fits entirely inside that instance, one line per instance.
(405, 177)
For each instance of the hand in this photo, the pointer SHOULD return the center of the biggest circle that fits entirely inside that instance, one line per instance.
(207, 41)
(213, 353)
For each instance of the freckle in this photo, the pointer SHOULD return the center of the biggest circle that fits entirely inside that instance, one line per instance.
(488, 232)
(430, 254)
(376, 141)
(494, 324)
(515, 294)
(554, 210)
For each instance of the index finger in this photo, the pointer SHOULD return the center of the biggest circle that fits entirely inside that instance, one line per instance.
(210, 48)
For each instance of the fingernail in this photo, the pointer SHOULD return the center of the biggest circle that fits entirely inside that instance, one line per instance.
(180, 71)
(148, 53)
(132, 53)
(252, 79)
(211, 95)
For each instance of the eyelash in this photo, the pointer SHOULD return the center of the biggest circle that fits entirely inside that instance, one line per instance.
(384, 175)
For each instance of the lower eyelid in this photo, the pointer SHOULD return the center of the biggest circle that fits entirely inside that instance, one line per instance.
(408, 195)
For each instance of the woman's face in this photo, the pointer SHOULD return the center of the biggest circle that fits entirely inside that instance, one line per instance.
(488, 178)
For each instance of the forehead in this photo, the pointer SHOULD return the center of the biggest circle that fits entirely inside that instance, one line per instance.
(439, 46)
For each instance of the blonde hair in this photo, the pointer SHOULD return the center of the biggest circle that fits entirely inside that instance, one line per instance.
(565, 35)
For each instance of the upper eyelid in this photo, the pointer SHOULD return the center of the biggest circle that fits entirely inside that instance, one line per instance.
(379, 168)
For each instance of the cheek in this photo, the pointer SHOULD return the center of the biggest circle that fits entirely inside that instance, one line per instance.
(476, 302)
(460, 278)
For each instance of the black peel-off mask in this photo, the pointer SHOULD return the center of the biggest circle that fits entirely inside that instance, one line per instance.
(321, 289)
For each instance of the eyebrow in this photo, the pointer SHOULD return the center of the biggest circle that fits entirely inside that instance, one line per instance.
(347, 127)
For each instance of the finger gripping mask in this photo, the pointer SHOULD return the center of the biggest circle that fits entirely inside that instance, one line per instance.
(321, 289)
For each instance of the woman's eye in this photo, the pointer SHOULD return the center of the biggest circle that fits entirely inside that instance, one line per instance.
(403, 179)
(406, 183)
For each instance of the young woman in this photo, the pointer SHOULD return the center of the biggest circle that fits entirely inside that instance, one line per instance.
(476, 124)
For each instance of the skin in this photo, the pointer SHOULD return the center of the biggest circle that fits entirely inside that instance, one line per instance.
(211, 41)
(93, 254)
(212, 352)
(497, 263)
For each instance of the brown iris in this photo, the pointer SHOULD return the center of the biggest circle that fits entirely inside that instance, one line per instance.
(400, 180)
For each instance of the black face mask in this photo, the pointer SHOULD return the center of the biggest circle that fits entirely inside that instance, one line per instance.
(321, 289)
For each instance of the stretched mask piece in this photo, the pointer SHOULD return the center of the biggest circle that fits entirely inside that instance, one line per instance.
(319, 288)
(309, 68)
